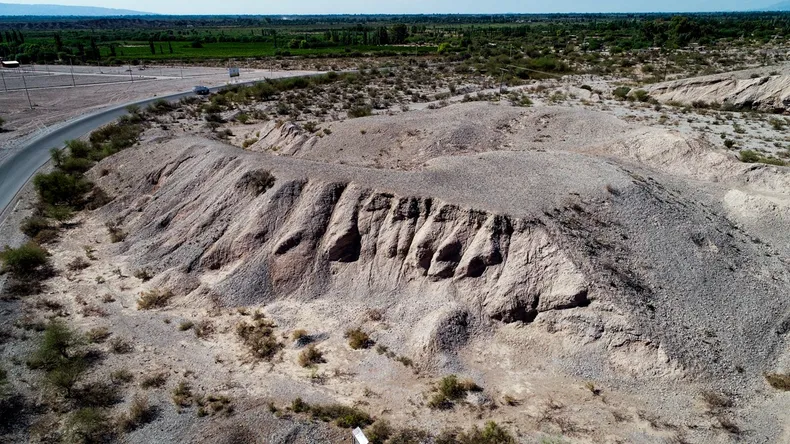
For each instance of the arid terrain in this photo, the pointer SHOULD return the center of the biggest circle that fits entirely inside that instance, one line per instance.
(565, 261)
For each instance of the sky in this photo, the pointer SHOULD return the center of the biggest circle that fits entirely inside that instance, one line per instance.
(409, 6)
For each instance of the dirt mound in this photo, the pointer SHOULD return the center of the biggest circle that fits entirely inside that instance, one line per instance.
(761, 91)
(557, 244)
(493, 235)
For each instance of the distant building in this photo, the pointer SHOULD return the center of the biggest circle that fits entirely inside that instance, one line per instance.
(10, 64)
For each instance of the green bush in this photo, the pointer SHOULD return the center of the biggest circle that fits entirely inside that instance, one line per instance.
(299, 406)
(88, 425)
(60, 354)
(61, 188)
(343, 416)
(360, 111)
(641, 95)
(749, 156)
(33, 225)
(160, 106)
(26, 261)
(621, 92)
(449, 390)
(490, 434)
(379, 432)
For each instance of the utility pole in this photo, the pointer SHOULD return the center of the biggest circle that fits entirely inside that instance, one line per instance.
(2, 74)
(71, 63)
(27, 92)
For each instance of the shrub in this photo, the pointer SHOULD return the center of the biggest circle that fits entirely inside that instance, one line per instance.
(310, 356)
(88, 425)
(214, 404)
(257, 182)
(621, 92)
(360, 111)
(379, 432)
(749, 156)
(59, 354)
(343, 416)
(492, 433)
(60, 213)
(299, 334)
(160, 106)
(115, 232)
(729, 143)
(185, 325)
(358, 339)
(26, 261)
(154, 298)
(143, 274)
(155, 380)
(58, 345)
(97, 335)
(641, 95)
(60, 188)
(33, 225)
(182, 395)
(299, 406)
(121, 376)
(78, 264)
(449, 390)
(121, 346)
(96, 394)
(140, 412)
(408, 436)
(258, 336)
(778, 381)
(204, 329)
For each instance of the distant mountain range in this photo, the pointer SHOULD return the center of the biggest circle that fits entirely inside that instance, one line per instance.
(784, 6)
(61, 10)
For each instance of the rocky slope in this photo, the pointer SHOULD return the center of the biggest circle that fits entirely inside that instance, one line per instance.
(752, 89)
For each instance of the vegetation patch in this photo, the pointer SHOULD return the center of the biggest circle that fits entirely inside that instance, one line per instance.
(311, 356)
(258, 337)
(779, 381)
(358, 339)
(154, 298)
(449, 390)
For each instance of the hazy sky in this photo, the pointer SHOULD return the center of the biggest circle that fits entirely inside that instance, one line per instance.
(409, 6)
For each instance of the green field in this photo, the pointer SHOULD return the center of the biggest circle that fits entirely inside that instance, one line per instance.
(184, 50)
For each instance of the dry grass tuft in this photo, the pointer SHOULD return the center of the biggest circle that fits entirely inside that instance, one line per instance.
(358, 339)
(310, 356)
(155, 298)
(778, 381)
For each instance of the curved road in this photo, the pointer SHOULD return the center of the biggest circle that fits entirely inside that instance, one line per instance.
(16, 170)
(20, 166)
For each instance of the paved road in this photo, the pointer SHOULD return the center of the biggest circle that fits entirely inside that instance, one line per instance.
(16, 170)
(20, 166)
